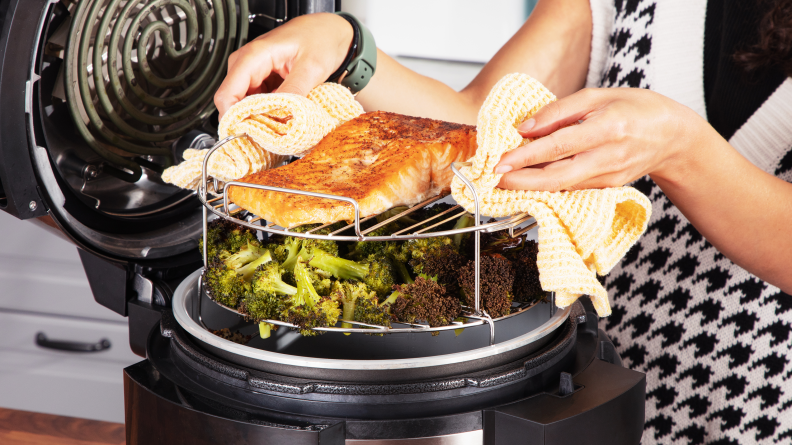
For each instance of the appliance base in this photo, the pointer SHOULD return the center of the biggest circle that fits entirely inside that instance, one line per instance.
(602, 403)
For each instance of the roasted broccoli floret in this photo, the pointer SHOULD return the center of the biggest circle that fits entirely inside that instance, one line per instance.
(225, 238)
(381, 275)
(247, 260)
(267, 291)
(289, 248)
(338, 267)
(527, 287)
(225, 285)
(288, 251)
(229, 279)
(364, 249)
(496, 283)
(320, 279)
(306, 308)
(443, 264)
(359, 303)
(428, 212)
(424, 300)
(368, 310)
(418, 248)
(308, 244)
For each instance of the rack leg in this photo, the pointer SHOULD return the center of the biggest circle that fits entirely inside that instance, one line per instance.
(200, 302)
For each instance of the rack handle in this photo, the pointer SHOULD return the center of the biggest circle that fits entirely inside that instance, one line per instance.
(71, 346)
(455, 167)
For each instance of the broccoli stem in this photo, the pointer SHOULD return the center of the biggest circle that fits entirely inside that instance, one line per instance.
(245, 255)
(391, 299)
(460, 330)
(402, 271)
(306, 294)
(283, 288)
(248, 270)
(465, 221)
(339, 267)
(265, 329)
(294, 250)
(347, 310)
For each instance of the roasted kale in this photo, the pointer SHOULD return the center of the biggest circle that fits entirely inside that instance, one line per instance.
(527, 287)
(424, 300)
(495, 287)
(444, 265)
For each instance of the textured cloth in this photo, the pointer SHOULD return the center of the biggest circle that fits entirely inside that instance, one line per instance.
(714, 340)
(581, 233)
(275, 126)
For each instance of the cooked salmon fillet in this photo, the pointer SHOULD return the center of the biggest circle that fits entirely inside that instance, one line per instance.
(382, 160)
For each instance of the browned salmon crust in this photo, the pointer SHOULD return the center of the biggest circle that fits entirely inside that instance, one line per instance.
(380, 159)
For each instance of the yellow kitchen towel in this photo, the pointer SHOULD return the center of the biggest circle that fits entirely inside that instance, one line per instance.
(275, 125)
(581, 233)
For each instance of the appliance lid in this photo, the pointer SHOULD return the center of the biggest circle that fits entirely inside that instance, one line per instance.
(97, 120)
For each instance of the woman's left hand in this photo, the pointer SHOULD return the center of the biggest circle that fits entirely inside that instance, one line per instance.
(624, 134)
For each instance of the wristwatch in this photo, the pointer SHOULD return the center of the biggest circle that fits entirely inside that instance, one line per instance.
(361, 60)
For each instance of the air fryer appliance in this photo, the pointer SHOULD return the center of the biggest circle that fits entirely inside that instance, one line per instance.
(98, 97)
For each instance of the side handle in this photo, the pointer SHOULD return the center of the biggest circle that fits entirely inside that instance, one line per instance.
(602, 405)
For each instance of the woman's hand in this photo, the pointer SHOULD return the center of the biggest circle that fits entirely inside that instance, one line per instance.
(628, 133)
(293, 58)
(624, 134)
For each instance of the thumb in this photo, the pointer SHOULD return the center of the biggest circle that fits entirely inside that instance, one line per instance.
(302, 79)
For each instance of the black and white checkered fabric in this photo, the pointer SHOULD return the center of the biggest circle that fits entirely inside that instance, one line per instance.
(714, 340)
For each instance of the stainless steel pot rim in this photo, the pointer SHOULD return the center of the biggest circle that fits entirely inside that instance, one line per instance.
(180, 312)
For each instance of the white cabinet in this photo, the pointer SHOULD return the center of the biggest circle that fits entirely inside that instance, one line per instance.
(77, 384)
(43, 288)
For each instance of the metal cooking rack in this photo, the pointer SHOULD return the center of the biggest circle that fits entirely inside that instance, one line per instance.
(475, 316)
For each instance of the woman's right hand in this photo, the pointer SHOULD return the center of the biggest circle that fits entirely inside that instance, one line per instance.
(293, 58)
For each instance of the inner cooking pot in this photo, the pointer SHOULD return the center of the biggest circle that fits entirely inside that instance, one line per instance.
(335, 356)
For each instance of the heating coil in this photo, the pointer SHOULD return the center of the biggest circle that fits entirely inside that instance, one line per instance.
(141, 73)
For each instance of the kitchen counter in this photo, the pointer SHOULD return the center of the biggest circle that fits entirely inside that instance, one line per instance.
(28, 428)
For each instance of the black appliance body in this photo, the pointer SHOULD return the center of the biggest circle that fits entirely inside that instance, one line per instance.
(61, 167)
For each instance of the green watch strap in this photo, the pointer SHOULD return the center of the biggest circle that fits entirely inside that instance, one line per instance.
(360, 70)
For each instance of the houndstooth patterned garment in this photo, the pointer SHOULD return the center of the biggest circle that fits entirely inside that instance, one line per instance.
(714, 341)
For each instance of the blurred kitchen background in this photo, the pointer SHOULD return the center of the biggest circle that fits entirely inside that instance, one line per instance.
(448, 40)
(44, 290)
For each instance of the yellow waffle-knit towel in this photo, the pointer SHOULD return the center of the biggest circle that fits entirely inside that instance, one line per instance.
(275, 126)
(581, 233)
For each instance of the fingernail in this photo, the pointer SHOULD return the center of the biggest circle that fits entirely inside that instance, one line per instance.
(527, 125)
(503, 169)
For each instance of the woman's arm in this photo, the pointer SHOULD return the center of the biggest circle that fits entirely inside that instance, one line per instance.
(628, 133)
(741, 210)
(552, 46)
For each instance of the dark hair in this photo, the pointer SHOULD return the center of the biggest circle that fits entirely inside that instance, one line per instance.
(775, 40)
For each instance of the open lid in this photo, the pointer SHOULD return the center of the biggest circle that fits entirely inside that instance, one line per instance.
(88, 123)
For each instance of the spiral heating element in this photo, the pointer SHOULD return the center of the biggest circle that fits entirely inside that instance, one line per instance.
(142, 73)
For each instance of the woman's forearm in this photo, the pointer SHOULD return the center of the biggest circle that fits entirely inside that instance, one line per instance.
(553, 46)
(398, 89)
(743, 211)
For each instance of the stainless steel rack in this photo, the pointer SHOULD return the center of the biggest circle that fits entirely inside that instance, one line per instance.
(221, 206)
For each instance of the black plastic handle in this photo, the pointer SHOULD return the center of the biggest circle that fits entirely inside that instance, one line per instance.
(71, 346)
